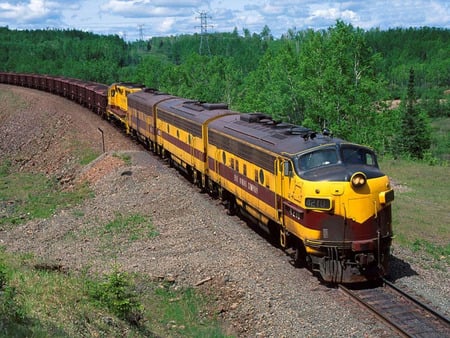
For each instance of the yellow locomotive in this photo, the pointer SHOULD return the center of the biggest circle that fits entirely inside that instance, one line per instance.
(117, 108)
(324, 197)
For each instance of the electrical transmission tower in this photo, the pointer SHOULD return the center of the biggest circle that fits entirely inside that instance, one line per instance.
(204, 45)
(141, 32)
(141, 36)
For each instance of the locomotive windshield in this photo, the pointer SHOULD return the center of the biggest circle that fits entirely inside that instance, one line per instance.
(340, 154)
(318, 158)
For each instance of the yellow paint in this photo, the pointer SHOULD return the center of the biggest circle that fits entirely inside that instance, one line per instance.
(118, 99)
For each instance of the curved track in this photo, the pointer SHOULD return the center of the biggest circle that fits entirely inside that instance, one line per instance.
(401, 311)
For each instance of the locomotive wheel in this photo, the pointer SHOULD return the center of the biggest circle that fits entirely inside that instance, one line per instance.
(274, 232)
(232, 206)
(195, 179)
(299, 255)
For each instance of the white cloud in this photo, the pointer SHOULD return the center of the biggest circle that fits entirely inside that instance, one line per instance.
(438, 15)
(147, 8)
(273, 10)
(166, 25)
(35, 14)
(35, 10)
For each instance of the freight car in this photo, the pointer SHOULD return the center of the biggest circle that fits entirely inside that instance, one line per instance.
(319, 195)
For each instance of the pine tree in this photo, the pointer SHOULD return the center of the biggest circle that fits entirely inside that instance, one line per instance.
(415, 135)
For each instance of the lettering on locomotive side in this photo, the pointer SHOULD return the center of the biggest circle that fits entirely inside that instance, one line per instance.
(236, 178)
(318, 203)
(252, 187)
(244, 183)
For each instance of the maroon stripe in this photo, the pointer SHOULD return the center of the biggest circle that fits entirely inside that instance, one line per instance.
(142, 125)
(184, 146)
(261, 192)
(339, 229)
(211, 164)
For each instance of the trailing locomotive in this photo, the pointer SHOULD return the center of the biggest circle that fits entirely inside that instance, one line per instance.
(321, 196)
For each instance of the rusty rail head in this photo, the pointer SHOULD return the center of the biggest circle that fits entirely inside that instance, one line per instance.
(377, 313)
(421, 304)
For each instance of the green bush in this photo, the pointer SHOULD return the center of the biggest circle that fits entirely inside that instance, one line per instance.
(118, 296)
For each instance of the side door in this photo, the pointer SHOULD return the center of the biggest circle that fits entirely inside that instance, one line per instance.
(284, 180)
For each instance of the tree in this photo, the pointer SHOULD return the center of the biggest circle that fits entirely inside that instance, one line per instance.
(272, 87)
(415, 137)
(338, 83)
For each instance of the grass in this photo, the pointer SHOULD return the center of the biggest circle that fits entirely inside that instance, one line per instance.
(441, 138)
(122, 230)
(43, 302)
(421, 217)
(420, 211)
(83, 152)
(126, 158)
(26, 196)
(135, 226)
(178, 310)
(88, 156)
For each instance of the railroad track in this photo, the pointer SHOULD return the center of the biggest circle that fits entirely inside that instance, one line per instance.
(405, 314)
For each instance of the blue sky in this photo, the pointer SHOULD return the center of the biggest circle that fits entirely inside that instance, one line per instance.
(131, 18)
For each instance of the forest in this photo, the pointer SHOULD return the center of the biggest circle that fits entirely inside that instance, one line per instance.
(382, 88)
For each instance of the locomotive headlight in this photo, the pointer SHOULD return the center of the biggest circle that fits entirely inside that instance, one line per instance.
(358, 179)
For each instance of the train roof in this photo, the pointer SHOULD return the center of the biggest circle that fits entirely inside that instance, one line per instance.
(198, 112)
(262, 131)
(128, 85)
(147, 97)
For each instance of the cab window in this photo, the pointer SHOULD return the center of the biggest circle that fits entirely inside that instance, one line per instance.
(318, 158)
(358, 155)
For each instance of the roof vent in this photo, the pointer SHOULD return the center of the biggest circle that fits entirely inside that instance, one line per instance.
(214, 106)
(254, 117)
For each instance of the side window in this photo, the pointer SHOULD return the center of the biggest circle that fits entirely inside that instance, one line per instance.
(287, 168)
(244, 168)
(370, 159)
(261, 176)
(354, 155)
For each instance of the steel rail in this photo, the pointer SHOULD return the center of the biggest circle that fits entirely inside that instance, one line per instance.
(373, 301)
(421, 304)
(377, 313)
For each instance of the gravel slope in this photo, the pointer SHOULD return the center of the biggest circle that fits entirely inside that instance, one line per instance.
(259, 293)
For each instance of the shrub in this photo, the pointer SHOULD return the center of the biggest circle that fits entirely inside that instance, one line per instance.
(118, 296)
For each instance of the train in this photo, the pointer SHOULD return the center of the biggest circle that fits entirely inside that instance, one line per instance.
(320, 198)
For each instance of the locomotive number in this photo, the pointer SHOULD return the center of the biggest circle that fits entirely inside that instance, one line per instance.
(318, 203)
